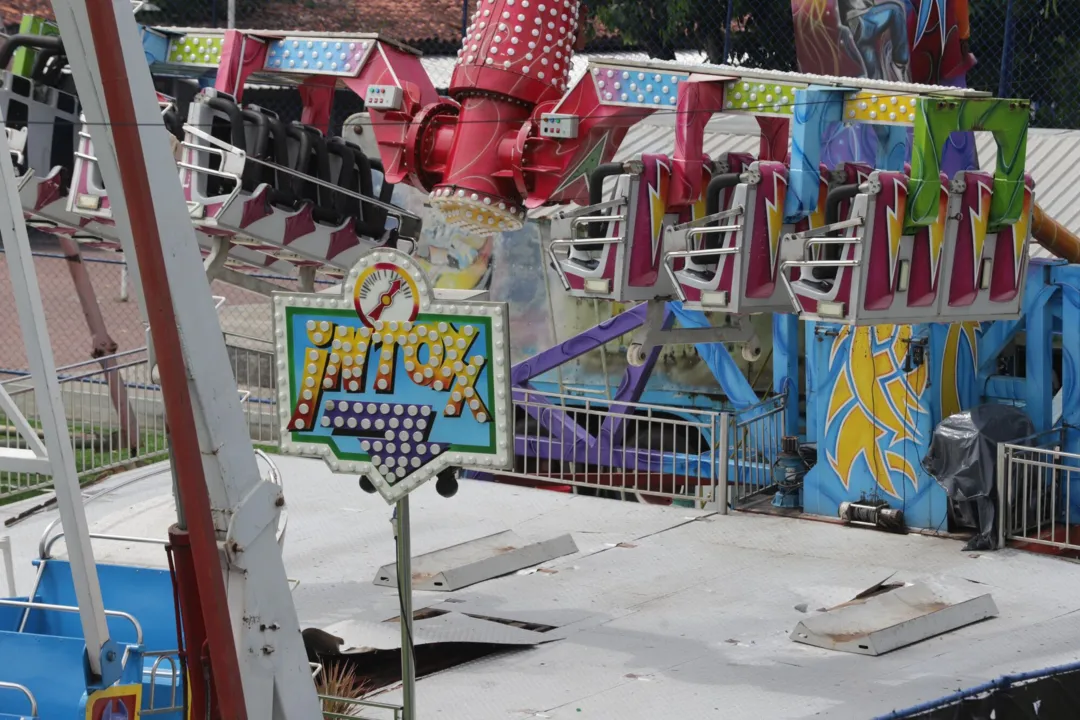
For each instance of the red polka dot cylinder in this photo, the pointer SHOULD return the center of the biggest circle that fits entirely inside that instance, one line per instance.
(515, 54)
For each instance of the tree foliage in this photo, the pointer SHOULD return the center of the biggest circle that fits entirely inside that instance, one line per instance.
(761, 32)
(1045, 58)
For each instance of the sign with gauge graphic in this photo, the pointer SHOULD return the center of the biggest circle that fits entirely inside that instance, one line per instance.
(391, 380)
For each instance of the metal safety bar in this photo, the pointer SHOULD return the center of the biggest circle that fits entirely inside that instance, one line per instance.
(577, 222)
(706, 219)
(391, 210)
(26, 693)
(807, 264)
(74, 609)
(45, 548)
(579, 211)
(225, 155)
(714, 230)
(669, 263)
(584, 241)
(160, 656)
(816, 237)
(360, 705)
(825, 229)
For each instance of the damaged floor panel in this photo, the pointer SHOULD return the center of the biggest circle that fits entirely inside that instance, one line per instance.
(880, 622)
(656, 617)
(475, 561)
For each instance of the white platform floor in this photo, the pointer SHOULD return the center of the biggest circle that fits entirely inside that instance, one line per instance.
(664, 612)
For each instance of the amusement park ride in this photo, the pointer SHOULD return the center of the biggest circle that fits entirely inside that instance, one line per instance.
(901, 254)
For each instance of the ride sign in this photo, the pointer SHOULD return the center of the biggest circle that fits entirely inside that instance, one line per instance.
(391, 379)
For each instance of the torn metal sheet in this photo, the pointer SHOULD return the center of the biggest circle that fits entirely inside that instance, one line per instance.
(451, 627)
(477, 560)
(880, 622)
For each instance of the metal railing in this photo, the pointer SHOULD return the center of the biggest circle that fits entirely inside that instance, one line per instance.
(176, 704)
(1036, 493)
(757, 436)
(361, 709)
(253, 364)
(9, 565)
(102, 438)
(25, 692)
(652, 453)
(645, 451)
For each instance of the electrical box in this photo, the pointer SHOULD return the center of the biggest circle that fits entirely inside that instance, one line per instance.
(383, 97)
(555, 125)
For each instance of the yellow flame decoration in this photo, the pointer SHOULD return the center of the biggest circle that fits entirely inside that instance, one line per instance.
(876, 403)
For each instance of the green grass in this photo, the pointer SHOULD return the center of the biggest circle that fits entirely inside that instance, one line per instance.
(92, 464)
(90, 461)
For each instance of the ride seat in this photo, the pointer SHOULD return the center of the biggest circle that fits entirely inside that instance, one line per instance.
(983, 269)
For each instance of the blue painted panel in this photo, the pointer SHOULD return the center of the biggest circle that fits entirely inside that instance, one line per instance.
(1070, 385)
(716, 356)
(155, 45)
(815, 110)
(143, 592)
(874, 423)
(462, 431)
(786, 367)
(53, 668)
(9, 616)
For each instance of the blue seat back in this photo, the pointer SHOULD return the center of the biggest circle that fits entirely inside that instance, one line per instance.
(10, 616)
(145, 593)
(52, 668)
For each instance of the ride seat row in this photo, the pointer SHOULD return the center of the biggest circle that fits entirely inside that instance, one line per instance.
(874, 270)
(299, 164)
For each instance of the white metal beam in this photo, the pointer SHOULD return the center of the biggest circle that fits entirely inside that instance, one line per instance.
(276, 678)
(61, 457)
(27, 433)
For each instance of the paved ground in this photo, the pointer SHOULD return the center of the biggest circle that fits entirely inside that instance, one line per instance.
(67, 326)
(663, 612)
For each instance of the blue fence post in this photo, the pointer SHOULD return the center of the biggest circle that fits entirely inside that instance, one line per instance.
(1005, 76)
(727, 30)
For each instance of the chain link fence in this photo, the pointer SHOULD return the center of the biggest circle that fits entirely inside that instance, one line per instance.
(112, 404)
(1024, 48)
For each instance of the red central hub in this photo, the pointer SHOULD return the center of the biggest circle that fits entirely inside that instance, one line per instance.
(515, 55)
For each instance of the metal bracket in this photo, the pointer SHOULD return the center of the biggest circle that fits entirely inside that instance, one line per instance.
(652, 334)
(257, 512)
(217, 270)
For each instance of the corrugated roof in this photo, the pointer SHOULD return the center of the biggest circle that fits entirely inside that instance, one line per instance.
(1052, 159)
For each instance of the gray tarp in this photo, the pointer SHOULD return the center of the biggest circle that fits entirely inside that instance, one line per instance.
(963, 460)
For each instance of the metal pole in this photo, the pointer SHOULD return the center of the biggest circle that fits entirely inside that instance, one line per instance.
(724, 453)
(1004, 79)
(61, 456)
(103, 346)
(404, 573)
(464, 18)
(112, 97)
(232, 15)
(1003, 472)
(9, 565)
(727, 30)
